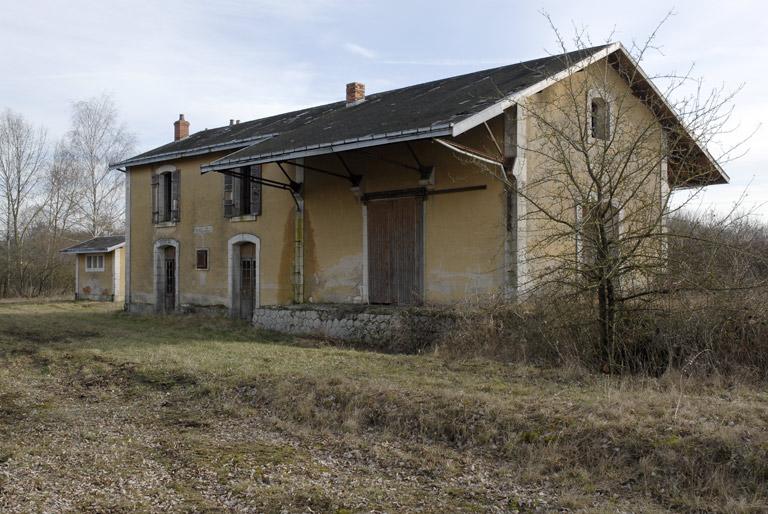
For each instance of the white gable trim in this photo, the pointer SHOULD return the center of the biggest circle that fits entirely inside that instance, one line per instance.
(499, 107)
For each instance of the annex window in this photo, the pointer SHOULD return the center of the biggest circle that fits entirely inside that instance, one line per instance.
(165, 197)
(94, 263)
(599, 119)
(242, 192)
(201, 259)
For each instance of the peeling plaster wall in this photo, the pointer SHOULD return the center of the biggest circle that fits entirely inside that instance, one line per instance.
(463, 232)
(203, 225)
(545, 251)
(96, 285)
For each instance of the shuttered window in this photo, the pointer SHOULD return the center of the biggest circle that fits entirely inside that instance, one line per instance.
(254, 191)
(229, 201)
(155, 199)
(175, 193)
(166, 189)
(242, 194)
(600, 119)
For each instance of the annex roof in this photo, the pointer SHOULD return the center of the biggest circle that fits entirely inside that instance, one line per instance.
(101, 244)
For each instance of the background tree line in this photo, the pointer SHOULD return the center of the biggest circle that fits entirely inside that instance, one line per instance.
(56, 193)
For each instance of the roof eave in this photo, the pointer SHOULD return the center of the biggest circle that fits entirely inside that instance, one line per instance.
(74, 250)
(166, 156)
(723, 178)
(333, 147)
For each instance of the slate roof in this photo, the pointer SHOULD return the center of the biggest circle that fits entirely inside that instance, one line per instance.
(423, 108)
(100, 244)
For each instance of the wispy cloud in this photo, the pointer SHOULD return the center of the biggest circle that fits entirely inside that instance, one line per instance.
(359, 50)
(448, 62)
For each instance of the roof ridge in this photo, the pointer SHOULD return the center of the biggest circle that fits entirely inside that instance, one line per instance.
(589, 50)
(232, 137)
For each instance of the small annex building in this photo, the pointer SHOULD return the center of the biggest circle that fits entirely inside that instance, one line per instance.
(99, 268)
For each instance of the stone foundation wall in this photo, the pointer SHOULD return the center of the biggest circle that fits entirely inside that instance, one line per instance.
(388, 329)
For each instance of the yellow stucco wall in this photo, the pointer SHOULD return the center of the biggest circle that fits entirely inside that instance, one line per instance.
(119, 257)
(549, 245)
(464, 233)
(98, 285)
(203, 225)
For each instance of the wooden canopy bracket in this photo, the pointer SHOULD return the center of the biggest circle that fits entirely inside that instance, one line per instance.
(353, 179)
(418, 191)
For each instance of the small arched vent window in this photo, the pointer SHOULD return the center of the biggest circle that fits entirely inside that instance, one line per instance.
(600, 119)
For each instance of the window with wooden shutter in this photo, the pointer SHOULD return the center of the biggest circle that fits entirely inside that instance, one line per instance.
(245, 190)
(165, 197)
(155, 199)
(600, 118)
(255, 191)
(229, 203)
(175, 195)
(237, 185)
(242, 196)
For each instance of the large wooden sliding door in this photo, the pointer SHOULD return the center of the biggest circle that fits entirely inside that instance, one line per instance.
(395, 254)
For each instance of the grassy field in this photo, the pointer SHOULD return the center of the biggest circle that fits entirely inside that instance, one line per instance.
(106, 412)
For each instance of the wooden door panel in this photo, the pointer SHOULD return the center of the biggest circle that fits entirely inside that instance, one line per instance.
(247, 285)
(379, 214)
(395, 250)
(169, 298)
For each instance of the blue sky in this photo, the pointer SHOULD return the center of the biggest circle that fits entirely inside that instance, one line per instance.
(245, 59)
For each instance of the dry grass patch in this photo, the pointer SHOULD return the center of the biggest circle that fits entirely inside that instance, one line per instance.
(191, 414)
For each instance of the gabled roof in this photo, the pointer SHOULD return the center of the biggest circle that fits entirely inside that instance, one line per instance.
(423, 110)
(446, 107)
(102, 244)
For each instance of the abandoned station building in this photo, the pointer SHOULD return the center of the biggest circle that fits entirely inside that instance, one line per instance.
(390, 198)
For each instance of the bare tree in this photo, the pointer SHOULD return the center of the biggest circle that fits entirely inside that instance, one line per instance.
(60, 189)
(97, 138)
(22, 157)
(605, 152)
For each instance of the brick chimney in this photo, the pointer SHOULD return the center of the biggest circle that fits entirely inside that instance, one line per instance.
(180, 128)
(355, 93)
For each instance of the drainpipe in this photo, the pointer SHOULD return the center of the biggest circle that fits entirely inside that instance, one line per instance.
(298, 237)
(77, 276)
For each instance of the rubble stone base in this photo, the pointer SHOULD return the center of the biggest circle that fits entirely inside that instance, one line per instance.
(406, 330)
